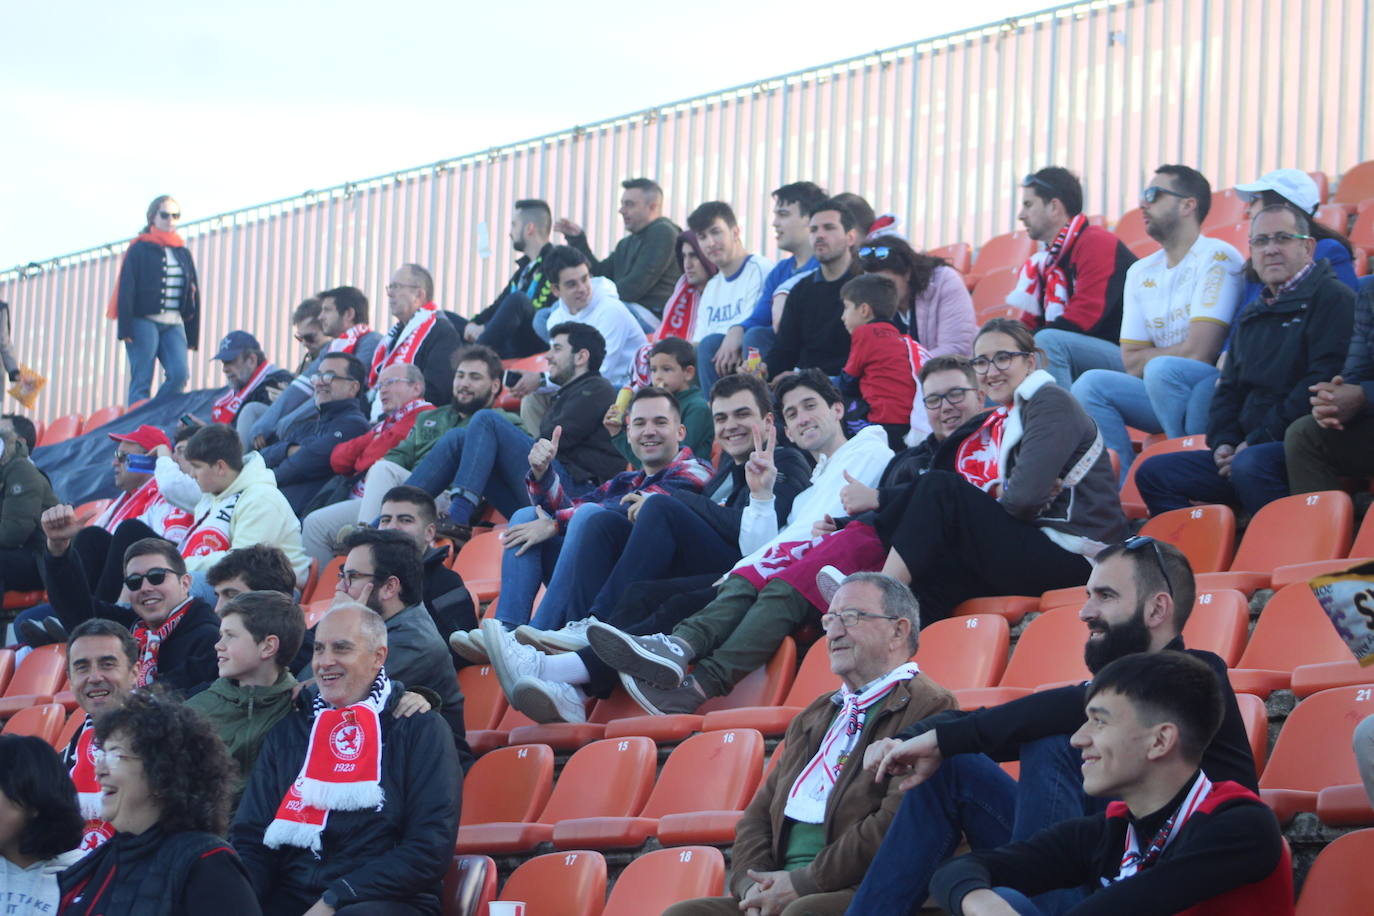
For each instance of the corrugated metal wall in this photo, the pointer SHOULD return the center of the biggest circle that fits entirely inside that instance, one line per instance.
(938, 131)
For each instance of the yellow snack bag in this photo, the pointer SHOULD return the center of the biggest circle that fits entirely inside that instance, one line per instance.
(25, 391)
(1347, 597)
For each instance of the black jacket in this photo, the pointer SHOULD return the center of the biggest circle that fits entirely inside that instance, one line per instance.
(811, 334)
(446, 597)
(529, 280)
(156, 873)
(141, 289)
(186, 660)
(301, 474)
(794, 475)
(399, 853)
(1279, 349)
(585, 449)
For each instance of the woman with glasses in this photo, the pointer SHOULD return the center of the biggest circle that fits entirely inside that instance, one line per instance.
(40, 822)
(1053, 506)
(164, 784)
(157, 302)
(933, 305)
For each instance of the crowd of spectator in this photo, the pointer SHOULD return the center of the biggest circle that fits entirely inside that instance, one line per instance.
(721, 450)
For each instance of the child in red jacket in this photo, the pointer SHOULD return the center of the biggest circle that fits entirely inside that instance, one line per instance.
(881, 381)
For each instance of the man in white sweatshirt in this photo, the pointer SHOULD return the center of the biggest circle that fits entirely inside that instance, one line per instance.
(754, 611)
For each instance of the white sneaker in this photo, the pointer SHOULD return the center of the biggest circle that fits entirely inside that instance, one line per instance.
(509, 659)
(548, 701)
(570, 638)
(468, 645)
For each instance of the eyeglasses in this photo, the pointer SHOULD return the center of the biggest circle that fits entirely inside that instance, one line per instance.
(1001, 359)
(165, 215)
(349, 576)
(1138, 543)
(101, 757)
(155, 576)
(395, 379)
(953, 396)
(393, 287)
(327, 377)
(1151, 194)
(850, 618)
(307, 339)
(879, 252)
(1278, 238)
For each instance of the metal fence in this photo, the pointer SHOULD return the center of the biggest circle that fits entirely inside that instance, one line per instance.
(937, 131)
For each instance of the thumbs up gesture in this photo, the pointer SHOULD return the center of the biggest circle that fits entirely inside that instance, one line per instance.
(857, 497)
(543, 452)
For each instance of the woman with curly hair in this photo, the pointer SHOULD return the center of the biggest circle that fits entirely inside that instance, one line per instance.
(164, 781)
(39, 821)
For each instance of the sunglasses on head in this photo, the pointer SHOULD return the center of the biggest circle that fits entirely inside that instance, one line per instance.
(879, 252)
(155, 576)
(1141, 542)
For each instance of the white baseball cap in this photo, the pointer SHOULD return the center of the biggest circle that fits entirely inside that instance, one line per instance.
(1293, 185)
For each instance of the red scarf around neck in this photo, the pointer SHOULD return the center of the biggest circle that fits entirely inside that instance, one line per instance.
(96, 831)
(226, 406)
(347, 342)
(404, 341)
(150, 644)
(157, 237)
(976, 459)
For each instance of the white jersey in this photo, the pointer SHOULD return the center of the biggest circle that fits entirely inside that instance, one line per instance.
(1161, 301)
(727, 301)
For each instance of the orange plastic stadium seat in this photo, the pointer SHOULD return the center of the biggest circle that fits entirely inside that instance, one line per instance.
(959, 255)
(961, 653)
(482, 740)
(1340, 882)
(1001, 252)
(89, 511)
(66, 699)
(6, 668)
(42, 721)
(1356, 184)
(1219, 623)
(61, 429)
(469, 885)
(39, 676)
(610, 778)
(1256, 719)
(325, 583)
(1292, 630)
(1131, 227)
(990, 295)
(1361, 257)
(509, 785)
(559, 884)
(1303, 572)
(1294, 529)
(74, 722)
(1226, 211)
(764, 686)
(699, 796)
(1075, 596)
(1323, 185)
(100, 417)
(479, 563)
(1050, 651)
(1142, 248)
(656, 880)
(483, 702)
(569, 736)
(1131, 503)
(1237, 235)
(1313, 750)
(1362, 233)
(1205, 534)
(1334, 216)
(1010, 607)
(814, 678)
(1345, 806)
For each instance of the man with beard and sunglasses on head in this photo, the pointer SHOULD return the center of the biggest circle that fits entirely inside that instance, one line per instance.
(1139, 597)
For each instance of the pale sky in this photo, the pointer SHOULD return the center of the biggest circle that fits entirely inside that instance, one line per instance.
(226, 105)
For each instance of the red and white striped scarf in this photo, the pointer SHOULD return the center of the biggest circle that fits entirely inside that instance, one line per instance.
(96, 830)
(150, 644)
(227, 405)
(977, 457)
(1042, 290)
(807, 799)
(403, 342)
(381, 427)
(1133, 860)
(347, 342)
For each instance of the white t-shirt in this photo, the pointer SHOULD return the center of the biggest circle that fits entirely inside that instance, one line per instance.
(1161, 301)
(726, 301)
(619, 328)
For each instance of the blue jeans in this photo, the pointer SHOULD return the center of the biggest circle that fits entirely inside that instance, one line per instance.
(1258, 477)
(1116, 400)
(521, 574)
(1180, 391)
(759, 338)
(595, 537)
(152, 343)
(1068, 354)
(969, 796)
(1019, 902)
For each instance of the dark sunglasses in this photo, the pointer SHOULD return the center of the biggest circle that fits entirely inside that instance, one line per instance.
(1151, 194)
(165, 215)
(307, 339)
(155, 576)
(879, 252)
(1141, 542)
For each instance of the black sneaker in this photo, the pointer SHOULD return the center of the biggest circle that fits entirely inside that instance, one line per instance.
(32, 633)
(685, 698)
(659, 659)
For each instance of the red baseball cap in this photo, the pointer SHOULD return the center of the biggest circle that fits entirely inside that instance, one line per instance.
(148, 437)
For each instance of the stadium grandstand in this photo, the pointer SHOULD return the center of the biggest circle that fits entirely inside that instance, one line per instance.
(610, 811)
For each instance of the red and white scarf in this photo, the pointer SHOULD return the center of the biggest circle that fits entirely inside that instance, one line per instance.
(1042, 290)
(403, 343)
(96, 831)
(1133, 860)
(916, 356)
(381, 427)
(211, 532)
(342, 770)
(227, 405)
(678, 315)
(127, 506)
(150, 644)
(347, 342)
(976, 458)
(807, 799)
(148, 505)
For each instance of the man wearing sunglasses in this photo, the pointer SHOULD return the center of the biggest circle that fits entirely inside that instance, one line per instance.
(291, 404)
(1295, 336)
(1139, 597)
(1179, 304)
(1071, 291)
(176, 633)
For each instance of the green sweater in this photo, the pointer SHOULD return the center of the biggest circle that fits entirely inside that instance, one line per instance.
(643, 264)
(428, 428)
(243, 716)
(696, 416)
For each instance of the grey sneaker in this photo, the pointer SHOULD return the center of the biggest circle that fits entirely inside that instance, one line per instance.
(548, 701)
(686, 697)
(509, 659)
(467, 646)
(570, 638)
(661, 660)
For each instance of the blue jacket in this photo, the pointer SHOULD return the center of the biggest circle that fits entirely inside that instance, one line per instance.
(301, 474)
(784, 270)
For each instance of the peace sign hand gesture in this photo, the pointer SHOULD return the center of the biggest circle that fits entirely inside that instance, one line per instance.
(760, 472)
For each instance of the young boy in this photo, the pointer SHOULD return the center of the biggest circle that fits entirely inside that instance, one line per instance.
(672, 367)
(883, 371)
(259, 635)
